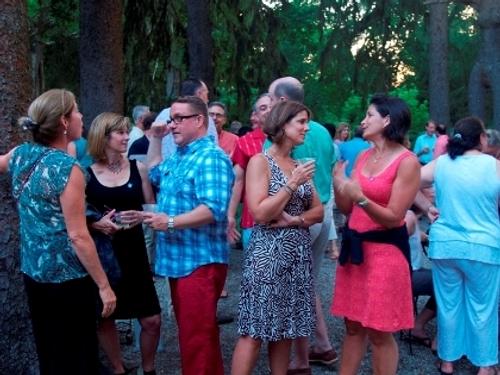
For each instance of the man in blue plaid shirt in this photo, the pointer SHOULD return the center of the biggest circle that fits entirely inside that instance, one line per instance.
(192, 249)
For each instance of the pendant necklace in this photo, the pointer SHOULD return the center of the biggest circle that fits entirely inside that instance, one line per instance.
(115, 166)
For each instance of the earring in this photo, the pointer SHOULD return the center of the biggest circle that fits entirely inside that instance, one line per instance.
(65, 131)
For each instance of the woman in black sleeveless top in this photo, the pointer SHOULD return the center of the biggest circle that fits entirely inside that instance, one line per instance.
(118, 187)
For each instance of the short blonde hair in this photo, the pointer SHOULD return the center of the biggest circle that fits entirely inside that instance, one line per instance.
(45, 112)
(99, 131)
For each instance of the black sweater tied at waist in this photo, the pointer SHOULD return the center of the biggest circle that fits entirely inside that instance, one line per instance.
(352, 249)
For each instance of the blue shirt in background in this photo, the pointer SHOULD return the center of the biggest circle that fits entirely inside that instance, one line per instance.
(423, 141)
(350, 150)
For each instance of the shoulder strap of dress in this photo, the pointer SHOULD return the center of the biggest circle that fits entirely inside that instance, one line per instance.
(134, 170)
(395, 164)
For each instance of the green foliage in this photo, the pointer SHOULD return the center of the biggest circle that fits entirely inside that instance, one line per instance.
(419, 108)
(342, 51)
(155, 52)
(54, 31)
(353, 110)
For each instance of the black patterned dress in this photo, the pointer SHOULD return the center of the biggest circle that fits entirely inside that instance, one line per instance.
(277, 294)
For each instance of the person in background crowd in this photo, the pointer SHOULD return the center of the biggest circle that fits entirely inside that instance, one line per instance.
(277, 293)
(244, 130)
(424, 145)
(118, 188)
(465, 249)
(374, 268)
(58, 257)
(338, 219)
(78, 149)
(138, 151)
(493, 147)
(421, 281)
(192, 248)
(138, 114)
(227, 140)
(139, 148)
(235, 127)
(349, 150)
(247, 146)
(441, 141)
(255, 121)
(342, 133)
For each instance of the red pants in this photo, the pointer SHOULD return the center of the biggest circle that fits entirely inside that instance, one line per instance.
(195, 305)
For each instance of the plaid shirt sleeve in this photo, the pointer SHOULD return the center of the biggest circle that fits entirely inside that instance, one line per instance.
(213, 183)
(154, 176)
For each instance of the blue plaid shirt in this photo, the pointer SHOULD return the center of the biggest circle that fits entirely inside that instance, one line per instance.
(198, 173)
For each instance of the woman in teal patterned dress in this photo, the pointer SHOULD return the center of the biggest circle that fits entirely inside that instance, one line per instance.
(58, 257)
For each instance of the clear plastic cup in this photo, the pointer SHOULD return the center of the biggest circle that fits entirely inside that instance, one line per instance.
(150, 207)
(117, 218)
(306, 160)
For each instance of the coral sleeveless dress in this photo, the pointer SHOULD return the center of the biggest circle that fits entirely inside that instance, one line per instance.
(376, 293)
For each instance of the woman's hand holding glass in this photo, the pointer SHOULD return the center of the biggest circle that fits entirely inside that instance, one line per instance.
(301, 174)
(106, 224)
(128, 219)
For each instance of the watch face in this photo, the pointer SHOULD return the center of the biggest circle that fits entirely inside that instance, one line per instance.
(363, 203)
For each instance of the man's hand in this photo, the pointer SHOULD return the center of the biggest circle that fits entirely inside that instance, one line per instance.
(432, 213)
(232, 233)
(159, 129)
(156, 221)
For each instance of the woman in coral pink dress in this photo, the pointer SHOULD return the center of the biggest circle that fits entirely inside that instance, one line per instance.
(373, 284)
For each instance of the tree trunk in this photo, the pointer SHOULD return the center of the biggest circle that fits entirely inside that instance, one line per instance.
(17, 351)
(200, 42)
(101, 58)
(439, 105)
(485, 76)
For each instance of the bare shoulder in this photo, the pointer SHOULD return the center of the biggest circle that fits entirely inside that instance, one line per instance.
(258, 160)
(409, 165)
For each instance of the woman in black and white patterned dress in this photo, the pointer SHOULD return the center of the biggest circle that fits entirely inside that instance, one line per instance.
(277, 296)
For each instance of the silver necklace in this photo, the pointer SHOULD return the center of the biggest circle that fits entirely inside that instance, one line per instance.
(115, 166)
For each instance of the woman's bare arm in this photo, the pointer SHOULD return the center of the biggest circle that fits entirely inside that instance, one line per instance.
(73, 207)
